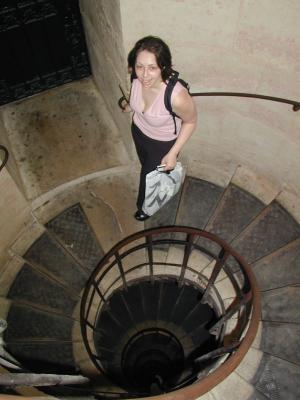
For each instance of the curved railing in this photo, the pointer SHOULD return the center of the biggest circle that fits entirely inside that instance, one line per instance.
(295, 104)
(6, 155)
(186, 254)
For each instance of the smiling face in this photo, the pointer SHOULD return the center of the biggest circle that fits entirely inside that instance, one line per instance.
(147, 70)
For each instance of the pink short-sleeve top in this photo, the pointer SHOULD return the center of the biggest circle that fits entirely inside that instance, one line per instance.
(156, 122)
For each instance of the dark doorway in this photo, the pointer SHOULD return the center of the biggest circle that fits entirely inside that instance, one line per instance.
(42, 45)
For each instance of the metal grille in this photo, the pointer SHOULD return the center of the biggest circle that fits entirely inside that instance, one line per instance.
(42, 46)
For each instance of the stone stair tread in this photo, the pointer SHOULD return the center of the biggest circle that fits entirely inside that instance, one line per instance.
(236, 209)
(186, 301)
(134, 303)
(119, 310)
(273, 228)
(201, 314)
(111, 330)
(234, 212)
(280, 268)
(31, 286)
(107, 354)
(26, 322)
(198, 200)
(169, 294)
(150, 292)
(281, 305)
(201, 336)
(73, 229)
(248, 366)
(277, 379)
(242, 389)
(67, 393)
(281, 340)
(44, 356)
(206, 396)
(47, 253)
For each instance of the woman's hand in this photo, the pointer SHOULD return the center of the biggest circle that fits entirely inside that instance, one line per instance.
(124, 105)
(126, 108)
(169, 160)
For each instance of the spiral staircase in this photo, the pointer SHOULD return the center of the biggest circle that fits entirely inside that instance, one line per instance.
(160, 321)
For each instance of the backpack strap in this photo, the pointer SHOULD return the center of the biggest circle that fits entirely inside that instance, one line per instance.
(168, 94)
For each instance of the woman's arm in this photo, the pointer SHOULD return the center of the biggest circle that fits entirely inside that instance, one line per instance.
(184, 106)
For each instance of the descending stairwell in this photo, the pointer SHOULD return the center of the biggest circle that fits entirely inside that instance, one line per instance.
(44, 296)
(152, 329)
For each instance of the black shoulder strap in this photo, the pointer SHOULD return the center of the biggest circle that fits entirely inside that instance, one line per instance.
(169, 89)
(168, 94)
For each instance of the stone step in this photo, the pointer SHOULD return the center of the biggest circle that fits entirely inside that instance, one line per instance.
(235, 387)
(280, 268)
(168, 297)
(45, 356)
(118, 308)
(281, 339)
(133, 299)
(107, 199)
(276, 378)
(73, 230)
(48, 255)
(281, 305)
(198, 201)
(110, 330)
(273, 228)
(201, 314)
(25, 322)
(236, 209)
(32, 286)
(150, 300)
(40, 340)
(187, 299)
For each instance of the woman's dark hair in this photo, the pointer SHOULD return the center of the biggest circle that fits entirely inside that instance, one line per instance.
(156, 46)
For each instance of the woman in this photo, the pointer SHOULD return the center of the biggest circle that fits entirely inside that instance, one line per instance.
(150, 63)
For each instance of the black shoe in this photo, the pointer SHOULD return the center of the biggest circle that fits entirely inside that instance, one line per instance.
(141, 216)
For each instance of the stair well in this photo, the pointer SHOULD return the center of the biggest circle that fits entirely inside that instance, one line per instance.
(44, 281)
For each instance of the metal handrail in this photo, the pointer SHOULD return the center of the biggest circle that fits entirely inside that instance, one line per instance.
(249, 299)
(6, 155)
(295, 104)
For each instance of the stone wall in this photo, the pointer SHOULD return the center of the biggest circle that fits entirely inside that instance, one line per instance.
(103, 30)
(11, 165)
(14, 214)
(14, 208)
(233, 46)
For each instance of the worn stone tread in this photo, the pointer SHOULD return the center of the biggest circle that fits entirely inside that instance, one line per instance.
(198, 201)
(272, 229)
(280, 268)
(28, 323)
(73, 229)
(277, 379)
(281, 305)
(51, 256)
(31, 286)
(45, 356)
(281, 340)
(235, 211)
